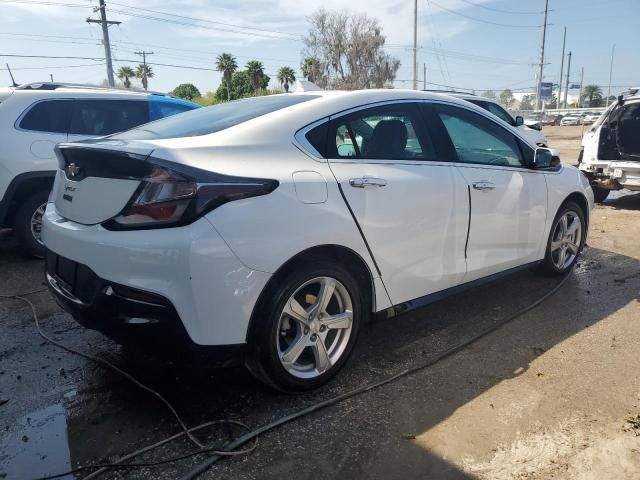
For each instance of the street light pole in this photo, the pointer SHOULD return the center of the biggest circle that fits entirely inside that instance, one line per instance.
(415, 44)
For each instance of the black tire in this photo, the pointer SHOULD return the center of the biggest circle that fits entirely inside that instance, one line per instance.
(548, 266)
(600, 194)
(263, 359)
(29, 245)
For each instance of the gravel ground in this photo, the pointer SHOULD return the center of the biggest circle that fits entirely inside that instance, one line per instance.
(551, 395)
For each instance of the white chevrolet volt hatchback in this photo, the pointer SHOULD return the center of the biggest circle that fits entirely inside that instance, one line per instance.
(269, 230)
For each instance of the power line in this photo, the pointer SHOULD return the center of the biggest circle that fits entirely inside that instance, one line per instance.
(481, 20)
(205, 20)
(56, 66)
(38, 2)
(499, 10)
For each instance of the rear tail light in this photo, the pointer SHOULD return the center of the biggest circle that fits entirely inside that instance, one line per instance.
(172, 195)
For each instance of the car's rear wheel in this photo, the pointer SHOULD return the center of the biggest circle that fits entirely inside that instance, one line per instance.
(307, 327)
(28, 224)
(566, 240)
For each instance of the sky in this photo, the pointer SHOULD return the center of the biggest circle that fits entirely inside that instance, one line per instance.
(465, 44)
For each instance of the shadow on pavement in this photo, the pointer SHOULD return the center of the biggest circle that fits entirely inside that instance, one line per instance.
(366, 437)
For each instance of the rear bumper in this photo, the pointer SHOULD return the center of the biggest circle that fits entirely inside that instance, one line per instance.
(140, 320)
(199, 280)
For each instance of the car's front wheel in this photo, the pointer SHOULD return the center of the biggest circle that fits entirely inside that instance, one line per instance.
(566, 240)
(307, 326)
(28, 224)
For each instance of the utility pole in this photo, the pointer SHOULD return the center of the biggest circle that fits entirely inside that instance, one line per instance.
(415, 44)
(144, 62)
(51, 77)
(424, 75)
(581, 80)
(566, 90)
(564, 42)
(540, 68)
(105, 37)
(613, 51)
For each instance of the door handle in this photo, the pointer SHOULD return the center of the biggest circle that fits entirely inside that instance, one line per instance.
(367, 182)
(484, 185)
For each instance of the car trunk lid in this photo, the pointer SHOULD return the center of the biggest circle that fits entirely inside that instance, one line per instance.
(96, 179)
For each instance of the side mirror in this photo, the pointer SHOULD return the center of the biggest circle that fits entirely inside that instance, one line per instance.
(519, 121)
(545, 158)
(620, 100)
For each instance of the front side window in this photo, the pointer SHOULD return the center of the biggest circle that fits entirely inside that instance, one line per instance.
(385, 132)
(52, 116)
(477, 139)
(104, 117)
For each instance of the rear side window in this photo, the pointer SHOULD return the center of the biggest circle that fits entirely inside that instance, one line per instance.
(161, 109)
(203, 121)
(317, 137)
(386, 132)
(104, 117)
(53, 116)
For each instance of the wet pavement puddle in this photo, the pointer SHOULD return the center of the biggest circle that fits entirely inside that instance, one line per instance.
(37, 445)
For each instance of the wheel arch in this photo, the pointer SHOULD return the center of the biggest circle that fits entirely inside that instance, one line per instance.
(581, 200)
(339, 253)
(20, 188)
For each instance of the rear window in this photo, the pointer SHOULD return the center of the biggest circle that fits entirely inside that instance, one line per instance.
(204, 121)
(53, 116)
(104, 117)
(161, 109)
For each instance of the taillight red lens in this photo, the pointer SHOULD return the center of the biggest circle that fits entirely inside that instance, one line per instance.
(167, 197)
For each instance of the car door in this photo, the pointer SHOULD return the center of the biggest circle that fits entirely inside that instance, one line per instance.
(38, 130)
(95, 117)
(411, 205)
(508, 197)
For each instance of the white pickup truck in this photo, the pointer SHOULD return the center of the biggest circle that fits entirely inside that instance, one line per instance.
(610, 155)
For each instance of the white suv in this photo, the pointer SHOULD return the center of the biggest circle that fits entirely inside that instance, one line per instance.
(532, 131)
(610, 155)
(270, 229)
(35, 117)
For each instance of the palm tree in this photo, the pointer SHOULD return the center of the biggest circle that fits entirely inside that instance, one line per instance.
(311, 68)
(124, 74)
(255, 71)
(226, 63)
(286, 76)
(592, 92)
(144, 73)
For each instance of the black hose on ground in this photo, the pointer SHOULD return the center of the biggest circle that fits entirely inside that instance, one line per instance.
(208, 463)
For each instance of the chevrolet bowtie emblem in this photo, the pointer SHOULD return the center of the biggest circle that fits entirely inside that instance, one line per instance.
(72, 170)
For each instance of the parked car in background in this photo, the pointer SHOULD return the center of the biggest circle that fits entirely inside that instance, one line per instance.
(610, 155)
(35, 117)
(533, 130)
(269, 230)
(570, 119)
(553, 119)
(590, 118)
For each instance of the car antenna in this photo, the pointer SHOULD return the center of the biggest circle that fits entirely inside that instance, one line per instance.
(11, 75)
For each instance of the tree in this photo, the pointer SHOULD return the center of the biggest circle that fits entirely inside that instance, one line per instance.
(489, 94)
(144, 73)
(349, 49)
(506, 98)
(187, 91)
(311, 68)
(286, 76)
(593, 93)
(255, 71)
(527, 102)
(226, 63)
(240, 87)
(124, 74)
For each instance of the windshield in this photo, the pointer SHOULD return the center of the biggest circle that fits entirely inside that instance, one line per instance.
(204, 121)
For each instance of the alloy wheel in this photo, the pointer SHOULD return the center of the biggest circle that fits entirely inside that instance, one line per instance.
(314, 327)
(36, 223)
(566, 240)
